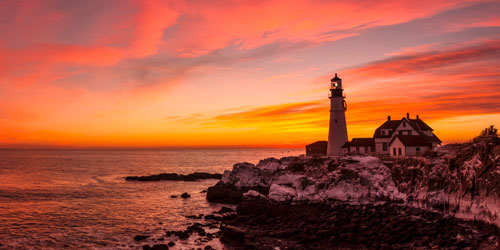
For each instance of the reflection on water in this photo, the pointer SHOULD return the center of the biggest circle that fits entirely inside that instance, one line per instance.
(79, 199)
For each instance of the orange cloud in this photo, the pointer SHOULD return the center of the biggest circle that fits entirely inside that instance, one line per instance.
(97, 73)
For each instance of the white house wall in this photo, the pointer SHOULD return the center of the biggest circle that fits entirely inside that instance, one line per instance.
(397, 144)
(378, 145)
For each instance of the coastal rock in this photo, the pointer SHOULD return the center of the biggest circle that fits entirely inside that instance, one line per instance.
(213, 217)
(159, 247)
(281, 193)
(357, 180)
(232, 235)
(185, 195)
(243, 175)
(141, 237)
(270, 165)
(271, 225)
(175, 177)
(464, 183)
(228, 194)
(183, 235)
(223, 210)
(221, 193)
(252, 194)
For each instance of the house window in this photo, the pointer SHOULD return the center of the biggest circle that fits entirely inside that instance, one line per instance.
(400, 132)
(404, 124)
(409, 132)
(394, 151)
(366, 149)
(384, 146)
(418, 150)
(382, 132)
(399, 151)
(357, 149)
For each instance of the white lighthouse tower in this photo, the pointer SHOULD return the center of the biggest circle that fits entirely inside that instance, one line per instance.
(337, 134)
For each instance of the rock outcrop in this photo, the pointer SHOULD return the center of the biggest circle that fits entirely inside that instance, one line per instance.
(175, 177)
(357, 180)
(464, 183)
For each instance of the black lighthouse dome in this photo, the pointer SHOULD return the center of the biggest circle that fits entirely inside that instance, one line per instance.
(336, 78)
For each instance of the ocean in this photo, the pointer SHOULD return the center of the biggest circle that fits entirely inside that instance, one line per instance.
(78, 199)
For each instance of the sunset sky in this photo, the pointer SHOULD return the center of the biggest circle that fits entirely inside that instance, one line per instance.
(253, 73)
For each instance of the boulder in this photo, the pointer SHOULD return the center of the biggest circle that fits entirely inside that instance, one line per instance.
(226, 210)
(229, 194)
(141, 237)
(185, 195)
(243, 175)
(159, 247)
(221, 193)
(175, 177)
(269, 165)
(281, 193)
(232, 235)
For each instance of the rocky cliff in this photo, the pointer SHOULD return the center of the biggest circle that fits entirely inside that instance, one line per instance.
(465, 184)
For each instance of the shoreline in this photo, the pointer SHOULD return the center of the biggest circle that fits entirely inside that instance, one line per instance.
(362, 202)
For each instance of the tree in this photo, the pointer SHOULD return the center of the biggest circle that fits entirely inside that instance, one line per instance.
(490, 131)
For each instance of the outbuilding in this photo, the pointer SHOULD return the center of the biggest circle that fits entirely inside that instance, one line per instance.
(317, 148)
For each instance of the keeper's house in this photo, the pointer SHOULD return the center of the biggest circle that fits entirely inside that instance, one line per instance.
(405, 137)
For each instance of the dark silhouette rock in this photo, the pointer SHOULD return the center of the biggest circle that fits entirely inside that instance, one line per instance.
(182, 235)
(185, 195)
(225, 210)
(146, 247)
(173, 196)
(213, 217)
(160, 247)
(175, 177)
(171, 243)
(141, 237)
(232, 235)
(228, 194)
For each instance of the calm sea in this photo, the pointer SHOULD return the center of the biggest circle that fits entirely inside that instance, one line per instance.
(51, 199)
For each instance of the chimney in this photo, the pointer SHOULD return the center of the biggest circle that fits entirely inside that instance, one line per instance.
(417, 117)
(407, 115)
(388, 117)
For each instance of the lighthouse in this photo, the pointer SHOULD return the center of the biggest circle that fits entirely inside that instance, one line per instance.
(337, 134)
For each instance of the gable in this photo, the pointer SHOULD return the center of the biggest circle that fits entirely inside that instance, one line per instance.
(387, 125)
(405, 125)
